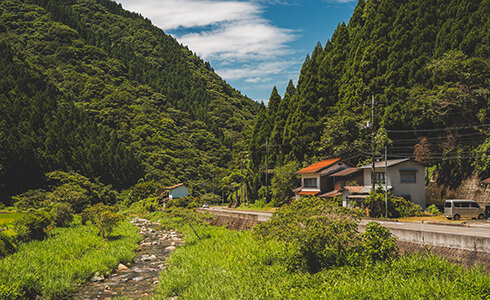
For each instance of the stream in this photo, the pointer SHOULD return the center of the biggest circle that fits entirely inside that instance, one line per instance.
(138, 279)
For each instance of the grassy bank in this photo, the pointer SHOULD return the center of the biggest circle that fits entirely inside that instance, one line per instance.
(54, 267)
(233, 265)
(7, 218)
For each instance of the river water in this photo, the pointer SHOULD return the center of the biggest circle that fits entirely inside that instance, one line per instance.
(138, 279)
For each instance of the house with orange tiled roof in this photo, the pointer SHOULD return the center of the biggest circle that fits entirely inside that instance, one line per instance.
(325, 178)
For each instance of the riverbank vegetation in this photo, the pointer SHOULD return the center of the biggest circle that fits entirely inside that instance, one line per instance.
(53, 268)
(236, 265)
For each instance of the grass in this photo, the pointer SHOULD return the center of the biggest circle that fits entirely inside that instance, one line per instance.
(54, 267)
(233, 265)
(7, 218)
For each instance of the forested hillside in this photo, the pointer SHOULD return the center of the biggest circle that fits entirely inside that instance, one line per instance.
(427, 63)
(88, 87)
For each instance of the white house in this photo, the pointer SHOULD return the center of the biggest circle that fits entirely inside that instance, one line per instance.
(177, 191)
(405, 178)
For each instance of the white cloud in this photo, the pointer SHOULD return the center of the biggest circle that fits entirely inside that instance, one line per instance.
(240, 40)
(253, 71)
(233, 35)
(174, 14)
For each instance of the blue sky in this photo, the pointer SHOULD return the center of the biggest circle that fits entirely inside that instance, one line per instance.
(255, 44)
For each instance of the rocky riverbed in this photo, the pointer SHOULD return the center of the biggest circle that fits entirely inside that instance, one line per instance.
(138, 279)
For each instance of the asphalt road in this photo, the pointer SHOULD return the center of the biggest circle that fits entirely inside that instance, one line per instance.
(476, 228)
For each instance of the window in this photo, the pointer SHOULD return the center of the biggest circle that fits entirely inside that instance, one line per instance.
(408, 177)
(309, 183)
(379, 177)
(474, 205)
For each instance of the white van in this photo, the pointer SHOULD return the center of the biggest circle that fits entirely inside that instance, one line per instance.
(463, 209)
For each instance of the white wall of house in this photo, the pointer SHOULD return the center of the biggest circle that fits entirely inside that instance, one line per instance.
(406, 179)
(178, 192)
(310, 177)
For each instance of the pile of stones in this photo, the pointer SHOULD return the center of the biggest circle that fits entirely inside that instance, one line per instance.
(137, 279)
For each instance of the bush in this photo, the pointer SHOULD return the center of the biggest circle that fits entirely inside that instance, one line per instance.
(433, 210)
(319, 234)
(151, 204)
(6, 246)
(185, 202)
(102, 216)
(62, 215)
(32, 226)
(378, 243)
(398, 207)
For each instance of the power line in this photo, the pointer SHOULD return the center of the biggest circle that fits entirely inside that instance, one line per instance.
(438, 129)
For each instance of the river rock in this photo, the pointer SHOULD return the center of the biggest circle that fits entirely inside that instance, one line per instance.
(170, 248)
(122, 268)
(97, 277)
(146, 257)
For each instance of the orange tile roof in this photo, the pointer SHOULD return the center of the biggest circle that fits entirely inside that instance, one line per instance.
(308, 193)
(354, 189)
(318, 166)
(173, 187)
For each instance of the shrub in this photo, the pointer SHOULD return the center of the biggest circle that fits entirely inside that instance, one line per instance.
(397, 206)
(102, 216)
(186, 202)
(62, 215)
(378, 243)
(147, 205)
(6, 246)
(433, 210)
(32, 226)
(318, 234)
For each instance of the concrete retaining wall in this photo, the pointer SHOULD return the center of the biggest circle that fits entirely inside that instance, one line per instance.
(449, 240)
(234, 221)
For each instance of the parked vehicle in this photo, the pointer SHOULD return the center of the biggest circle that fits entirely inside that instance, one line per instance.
(205, 205)
(457, 209)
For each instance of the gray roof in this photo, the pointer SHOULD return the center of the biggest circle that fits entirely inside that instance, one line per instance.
(389, 163)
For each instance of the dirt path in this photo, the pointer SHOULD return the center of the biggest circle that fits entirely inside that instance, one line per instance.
(137, 280)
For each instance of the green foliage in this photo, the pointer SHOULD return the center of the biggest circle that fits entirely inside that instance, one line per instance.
(426, 71)
(147, 205)
(142, 190)
(33, 226)
(184, 202)
(103, 217)
(211, 268)
(89, 87)
(433, 210)
(320, 235)
(378, 243)
(6, 246)
(398, 207)
(68, 188)
(283, 183)
(53, 268)
(62, 214)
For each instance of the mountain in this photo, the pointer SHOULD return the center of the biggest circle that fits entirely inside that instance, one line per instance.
(427, 64)
(86, 86)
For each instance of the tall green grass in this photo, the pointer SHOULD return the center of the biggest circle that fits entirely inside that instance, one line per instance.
(54, 267)
(233, 265)
(9, 218)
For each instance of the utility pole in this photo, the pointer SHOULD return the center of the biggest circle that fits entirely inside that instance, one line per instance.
(386, 182)
(266, 166)
(241, 184)
(373, 147)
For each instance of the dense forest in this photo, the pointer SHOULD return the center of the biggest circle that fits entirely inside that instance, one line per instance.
(427, 65)
(87, 87)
